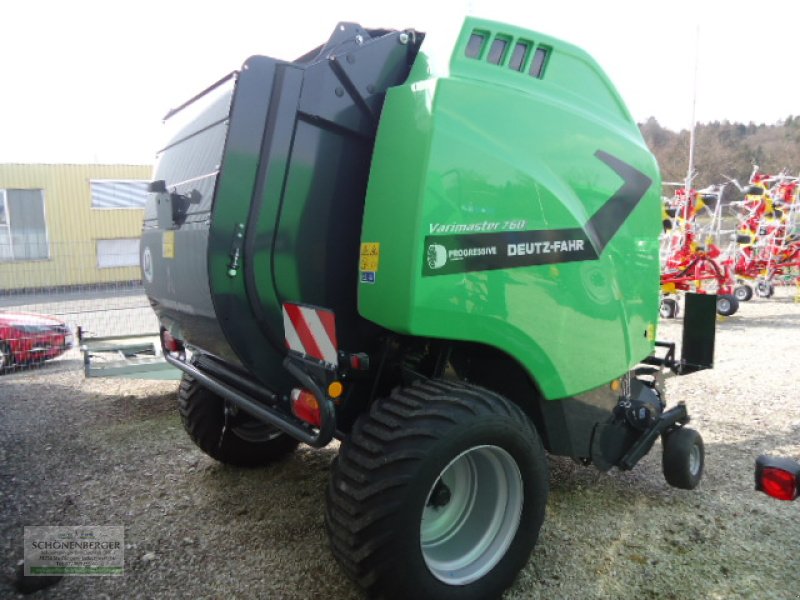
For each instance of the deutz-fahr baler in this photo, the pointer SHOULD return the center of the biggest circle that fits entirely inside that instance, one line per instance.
(445, 257)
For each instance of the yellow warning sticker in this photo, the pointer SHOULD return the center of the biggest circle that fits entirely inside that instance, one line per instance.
(370, 256)
(168, 244)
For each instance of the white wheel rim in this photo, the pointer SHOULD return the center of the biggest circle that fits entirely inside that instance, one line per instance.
(471, 515)
(694, 460)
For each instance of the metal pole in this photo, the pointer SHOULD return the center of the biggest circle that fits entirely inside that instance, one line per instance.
(694, 108)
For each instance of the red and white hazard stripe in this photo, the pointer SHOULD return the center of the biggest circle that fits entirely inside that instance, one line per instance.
(311, 332)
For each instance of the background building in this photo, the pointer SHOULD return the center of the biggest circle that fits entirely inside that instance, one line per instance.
(70, 226)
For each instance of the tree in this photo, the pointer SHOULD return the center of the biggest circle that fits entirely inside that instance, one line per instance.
(725, 149)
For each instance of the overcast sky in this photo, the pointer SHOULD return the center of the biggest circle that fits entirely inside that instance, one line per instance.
(88, 81)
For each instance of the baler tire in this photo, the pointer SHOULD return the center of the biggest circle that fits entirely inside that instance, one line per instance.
(669, 308)
(203, 417)
(743, 293)
(402, 506)
(727, 305)
(683, 458)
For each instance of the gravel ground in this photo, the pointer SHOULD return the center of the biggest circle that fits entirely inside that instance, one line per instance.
(112, 452)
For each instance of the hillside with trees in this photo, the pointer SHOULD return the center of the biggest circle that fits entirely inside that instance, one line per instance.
(724, 148)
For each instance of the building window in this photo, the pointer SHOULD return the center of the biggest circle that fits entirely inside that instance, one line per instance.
(119, 193)
(23, 229)
(118, 253)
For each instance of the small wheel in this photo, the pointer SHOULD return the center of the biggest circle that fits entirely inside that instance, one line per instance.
(727, 305)
(683, 458)
(765, 289)
(439, 492)
(743, 293)
(6, 357)
(244, 442)
(669, 308)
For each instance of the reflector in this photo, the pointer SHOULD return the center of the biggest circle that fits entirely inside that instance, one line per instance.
(335, 389)
(305, 406)
(778, 477)
(778, 483)
(170, 343)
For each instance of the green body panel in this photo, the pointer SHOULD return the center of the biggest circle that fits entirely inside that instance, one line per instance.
(482, 150)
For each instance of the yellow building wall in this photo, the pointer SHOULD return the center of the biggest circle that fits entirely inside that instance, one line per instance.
(73, 226)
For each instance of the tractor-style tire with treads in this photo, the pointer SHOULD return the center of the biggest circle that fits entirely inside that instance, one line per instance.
(439, 492)
(245, 442)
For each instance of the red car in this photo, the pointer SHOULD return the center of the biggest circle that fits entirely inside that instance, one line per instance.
(29, 338)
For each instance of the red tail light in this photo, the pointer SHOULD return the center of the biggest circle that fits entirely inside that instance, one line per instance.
(170, 343)
(305, 407)
(779, 484)
(778, 477)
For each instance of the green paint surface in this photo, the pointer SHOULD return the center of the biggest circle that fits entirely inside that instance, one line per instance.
(475, 147)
